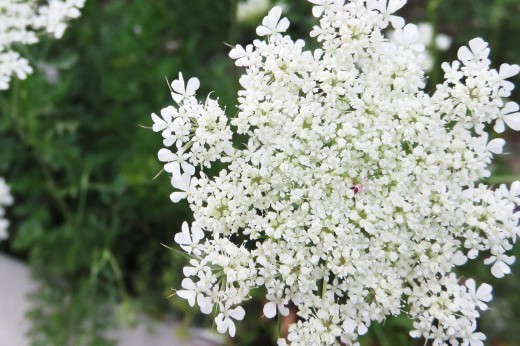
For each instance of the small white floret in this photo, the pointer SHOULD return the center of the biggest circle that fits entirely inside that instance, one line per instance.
(272, 24)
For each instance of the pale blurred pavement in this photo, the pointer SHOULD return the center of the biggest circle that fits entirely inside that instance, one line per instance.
(16, 284)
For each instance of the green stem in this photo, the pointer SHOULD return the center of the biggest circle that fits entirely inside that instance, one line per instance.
(50, 183)
(82, 196)
(117, 272)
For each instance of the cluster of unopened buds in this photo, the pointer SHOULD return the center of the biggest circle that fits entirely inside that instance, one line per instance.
(356, 194)
(22, 23)
(6, 199)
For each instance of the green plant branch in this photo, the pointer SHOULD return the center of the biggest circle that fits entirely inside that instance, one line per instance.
(50, 184)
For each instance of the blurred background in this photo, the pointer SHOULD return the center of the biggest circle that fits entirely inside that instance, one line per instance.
(90, 220)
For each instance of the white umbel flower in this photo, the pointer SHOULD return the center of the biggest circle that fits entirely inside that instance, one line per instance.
(356, 194)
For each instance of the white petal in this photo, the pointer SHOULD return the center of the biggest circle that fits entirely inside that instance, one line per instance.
(508, 71)
(168, 141)
(197, 234)
(272, 17)
(188, 284)
(181, 182)
(395, 5)
(509, 260)
(397, 22)
(185, 228)
(205, 305)
(484, 293)
(178, 85)
(281, 342)
(165, 155)
(168, 113)
(159, 124)
(459, 258)
(177, 97)
(219, 321)
(182, 238)
(472, 254)
(231, 327)
(188, 295)
(510, 107)
(237, 52)
(470, 284)
(171, 167)
(270, 310)
(513, 121)
(189, 271)
(464, 54)
(284, 311)
(237, 313)
(263, 31)
(415, 334)
(362, 329)
(477, 45)
(499, 126)
(379, 5)
(476, 339)
(515, 188)
(188, 168)
(496, 146)
(317, 11)
(176, 197)
(283, 25)
(499, 269)
(349, 325)
(193, 86)
(411, 33)
(246, 81)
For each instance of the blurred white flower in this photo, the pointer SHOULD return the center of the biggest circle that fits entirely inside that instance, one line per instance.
(6, 199)
(427, 40)
(250, 10)
(440, 41)
(22, 22)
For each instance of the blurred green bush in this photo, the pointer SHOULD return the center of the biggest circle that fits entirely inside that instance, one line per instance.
(89, 217)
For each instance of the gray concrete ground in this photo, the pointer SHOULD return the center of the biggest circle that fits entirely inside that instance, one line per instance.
(15, 285)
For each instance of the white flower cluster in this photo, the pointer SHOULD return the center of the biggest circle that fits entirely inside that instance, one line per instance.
(21, 22)
(357, 193)
(5, 200)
